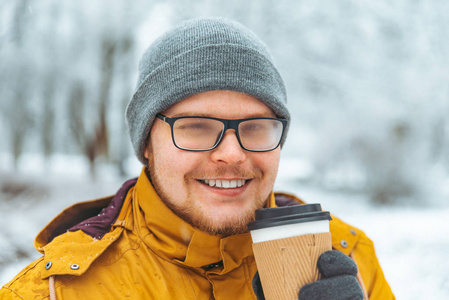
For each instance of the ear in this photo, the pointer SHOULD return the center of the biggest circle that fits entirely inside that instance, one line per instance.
(148, 150)
(146, 153)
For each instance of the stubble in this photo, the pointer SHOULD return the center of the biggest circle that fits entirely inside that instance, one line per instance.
(193, 211)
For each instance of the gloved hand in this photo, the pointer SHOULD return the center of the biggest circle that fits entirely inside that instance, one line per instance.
(338, 279)
(257, 287)
(339, 282)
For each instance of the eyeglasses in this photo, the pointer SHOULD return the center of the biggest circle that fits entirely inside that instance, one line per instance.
(204, 133)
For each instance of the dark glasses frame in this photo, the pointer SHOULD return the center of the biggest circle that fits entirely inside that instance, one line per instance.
(227, 124)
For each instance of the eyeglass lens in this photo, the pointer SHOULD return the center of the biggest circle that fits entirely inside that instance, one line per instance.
(202, 133)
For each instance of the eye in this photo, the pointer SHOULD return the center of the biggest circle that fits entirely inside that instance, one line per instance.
(253, 126)
(194, 126)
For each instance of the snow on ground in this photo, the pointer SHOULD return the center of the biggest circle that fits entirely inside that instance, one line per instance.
(411, 242)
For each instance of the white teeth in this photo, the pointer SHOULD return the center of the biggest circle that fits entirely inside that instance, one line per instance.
(225, 184)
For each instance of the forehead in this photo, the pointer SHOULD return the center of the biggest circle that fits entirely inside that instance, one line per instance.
(220, 104)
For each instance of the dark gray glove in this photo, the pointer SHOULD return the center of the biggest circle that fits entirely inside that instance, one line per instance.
(339, 281)
(257, 287)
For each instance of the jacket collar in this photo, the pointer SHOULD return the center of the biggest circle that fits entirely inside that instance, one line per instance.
(173, 239)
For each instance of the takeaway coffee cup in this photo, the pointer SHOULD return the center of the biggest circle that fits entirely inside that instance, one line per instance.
(287, 242)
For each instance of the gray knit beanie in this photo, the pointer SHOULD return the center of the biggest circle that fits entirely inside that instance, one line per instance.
(197, 56)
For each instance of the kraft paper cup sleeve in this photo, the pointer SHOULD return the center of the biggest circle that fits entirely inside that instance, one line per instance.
(285, 265)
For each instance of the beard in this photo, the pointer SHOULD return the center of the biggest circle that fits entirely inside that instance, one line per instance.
(217, 222)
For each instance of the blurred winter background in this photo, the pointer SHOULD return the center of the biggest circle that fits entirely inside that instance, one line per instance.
(368, 87)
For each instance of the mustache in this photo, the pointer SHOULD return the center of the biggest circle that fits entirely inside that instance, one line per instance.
(223, 172)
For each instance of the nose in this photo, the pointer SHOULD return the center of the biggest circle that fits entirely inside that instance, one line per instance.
(229, 150)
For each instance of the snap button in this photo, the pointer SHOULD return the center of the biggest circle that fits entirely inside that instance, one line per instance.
(353, 232)
(344, 243)
(74, 267)
(48, 265)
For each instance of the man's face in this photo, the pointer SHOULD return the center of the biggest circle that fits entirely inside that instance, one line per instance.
(179, 176)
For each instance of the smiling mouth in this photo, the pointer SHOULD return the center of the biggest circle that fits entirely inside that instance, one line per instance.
(225, 184)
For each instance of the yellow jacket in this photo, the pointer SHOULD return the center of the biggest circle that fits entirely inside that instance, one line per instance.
(148, 252)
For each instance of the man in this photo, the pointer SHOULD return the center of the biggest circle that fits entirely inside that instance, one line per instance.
(207, 120)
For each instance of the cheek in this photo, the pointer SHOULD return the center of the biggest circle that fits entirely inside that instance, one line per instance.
(166, 163)
(170, 166)
(269, 165)
(269, 162)
(163, 157)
